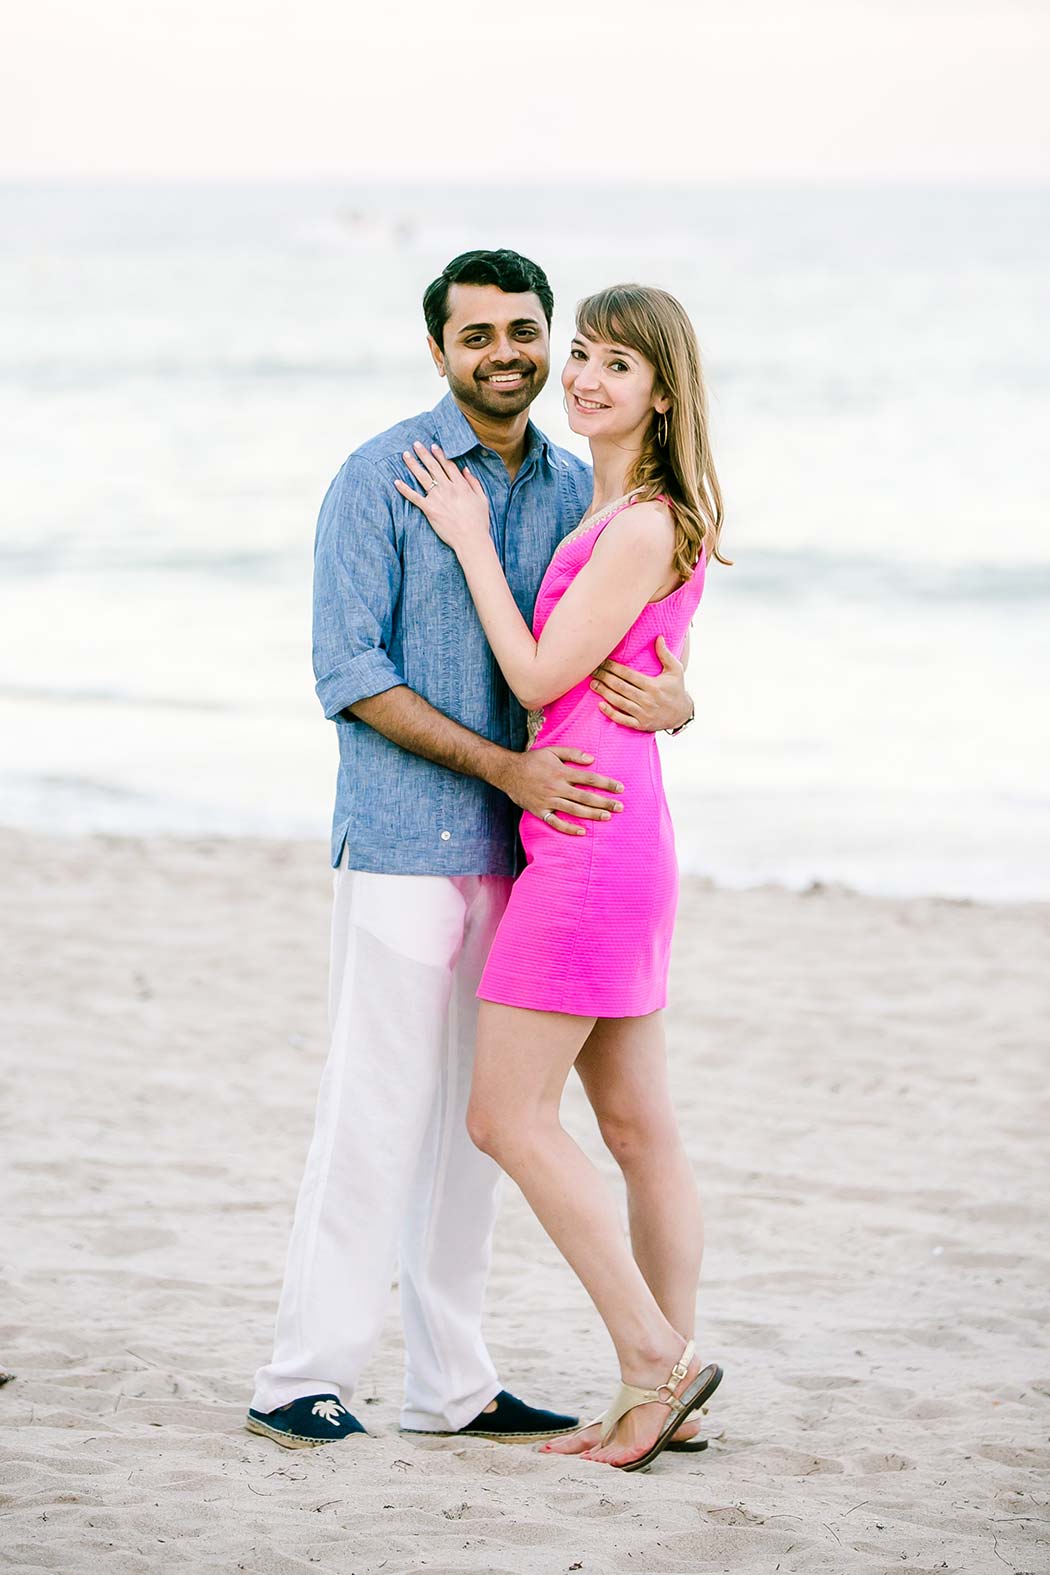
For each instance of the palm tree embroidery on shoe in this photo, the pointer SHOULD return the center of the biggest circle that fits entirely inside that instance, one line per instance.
(329, 1411)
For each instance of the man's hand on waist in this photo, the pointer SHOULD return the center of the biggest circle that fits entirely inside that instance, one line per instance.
(649, 704)
(555, 779)
(539, 780)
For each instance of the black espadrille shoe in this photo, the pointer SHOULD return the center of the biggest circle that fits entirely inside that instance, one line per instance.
(512, 1422)
(305, 1423)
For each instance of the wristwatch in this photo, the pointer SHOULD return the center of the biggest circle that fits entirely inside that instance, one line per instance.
(673, 732)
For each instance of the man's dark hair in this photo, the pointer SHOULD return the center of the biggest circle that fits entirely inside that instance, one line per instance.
(508, 271)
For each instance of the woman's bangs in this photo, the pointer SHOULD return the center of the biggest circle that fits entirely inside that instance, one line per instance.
(602, 319)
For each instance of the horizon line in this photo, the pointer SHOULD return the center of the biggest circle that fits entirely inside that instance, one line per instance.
(304, 178)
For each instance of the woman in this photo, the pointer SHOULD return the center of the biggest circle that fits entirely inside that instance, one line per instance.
(577, 974)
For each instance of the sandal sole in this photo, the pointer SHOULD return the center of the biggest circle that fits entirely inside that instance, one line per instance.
(663, 1442)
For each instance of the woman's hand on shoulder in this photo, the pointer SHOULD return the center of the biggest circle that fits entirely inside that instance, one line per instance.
(453, 500)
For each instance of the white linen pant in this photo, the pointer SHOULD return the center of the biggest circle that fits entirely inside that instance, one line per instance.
(391, 1158)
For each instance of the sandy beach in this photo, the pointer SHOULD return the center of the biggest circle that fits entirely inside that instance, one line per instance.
(862, 1084)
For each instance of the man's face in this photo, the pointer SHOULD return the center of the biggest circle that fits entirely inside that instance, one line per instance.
(495, 351)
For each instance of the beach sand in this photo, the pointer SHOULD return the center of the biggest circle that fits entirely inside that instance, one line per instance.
(862, 1085)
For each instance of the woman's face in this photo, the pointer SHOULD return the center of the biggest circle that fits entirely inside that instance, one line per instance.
(609, 390)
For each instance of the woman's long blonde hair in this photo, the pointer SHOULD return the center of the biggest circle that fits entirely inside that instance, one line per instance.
(657, 326)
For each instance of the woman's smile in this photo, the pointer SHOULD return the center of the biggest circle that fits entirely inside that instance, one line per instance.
(587, 405)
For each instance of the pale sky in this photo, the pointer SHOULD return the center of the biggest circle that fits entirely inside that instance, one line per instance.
(824, 90)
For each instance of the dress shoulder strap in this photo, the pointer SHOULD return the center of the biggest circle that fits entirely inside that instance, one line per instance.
(594, 527)
(595, 523)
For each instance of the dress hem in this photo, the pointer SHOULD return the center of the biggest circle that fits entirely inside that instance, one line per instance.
(570, 1011)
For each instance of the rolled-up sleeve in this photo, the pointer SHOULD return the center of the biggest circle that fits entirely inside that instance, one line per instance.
(357, 582)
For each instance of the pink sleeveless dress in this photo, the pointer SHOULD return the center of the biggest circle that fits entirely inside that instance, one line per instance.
(589, 924)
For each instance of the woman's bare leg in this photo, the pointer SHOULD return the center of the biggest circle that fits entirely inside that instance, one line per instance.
(523, 1059)
(623, 1068)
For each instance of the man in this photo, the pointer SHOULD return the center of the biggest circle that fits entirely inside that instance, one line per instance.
(432, 776)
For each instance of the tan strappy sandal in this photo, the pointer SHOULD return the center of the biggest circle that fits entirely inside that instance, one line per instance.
(628, 1397)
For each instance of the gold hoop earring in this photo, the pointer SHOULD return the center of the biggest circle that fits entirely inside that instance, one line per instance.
(662, 426)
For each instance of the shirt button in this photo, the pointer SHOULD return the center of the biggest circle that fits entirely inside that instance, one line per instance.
(445, 835)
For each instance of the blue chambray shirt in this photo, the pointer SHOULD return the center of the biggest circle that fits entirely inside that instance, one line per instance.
(391, 607)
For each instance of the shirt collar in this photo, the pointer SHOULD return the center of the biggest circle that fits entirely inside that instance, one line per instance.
(458, 438)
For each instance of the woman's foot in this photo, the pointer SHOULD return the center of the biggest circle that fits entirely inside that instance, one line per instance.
(643, 1423)
(637, 1431)
(590, 1437)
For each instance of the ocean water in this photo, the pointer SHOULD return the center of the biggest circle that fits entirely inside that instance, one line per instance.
(183, 368)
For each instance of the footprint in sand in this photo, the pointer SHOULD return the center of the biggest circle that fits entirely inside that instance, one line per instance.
(967, 1259)
(940, 1338)
(759, 1335)
(932, 1410)
(795, 1463)
(820, 1381)
(129, 1239)
(734, 1515)
(1021, 1455)
(872, 1462)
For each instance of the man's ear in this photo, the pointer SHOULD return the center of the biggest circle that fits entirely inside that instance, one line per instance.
(438, 354)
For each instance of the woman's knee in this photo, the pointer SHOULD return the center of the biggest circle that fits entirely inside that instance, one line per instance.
(484, 1126)
(509, 1137)
(636, 1137)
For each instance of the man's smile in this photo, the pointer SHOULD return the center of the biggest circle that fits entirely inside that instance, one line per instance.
(506, 379)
